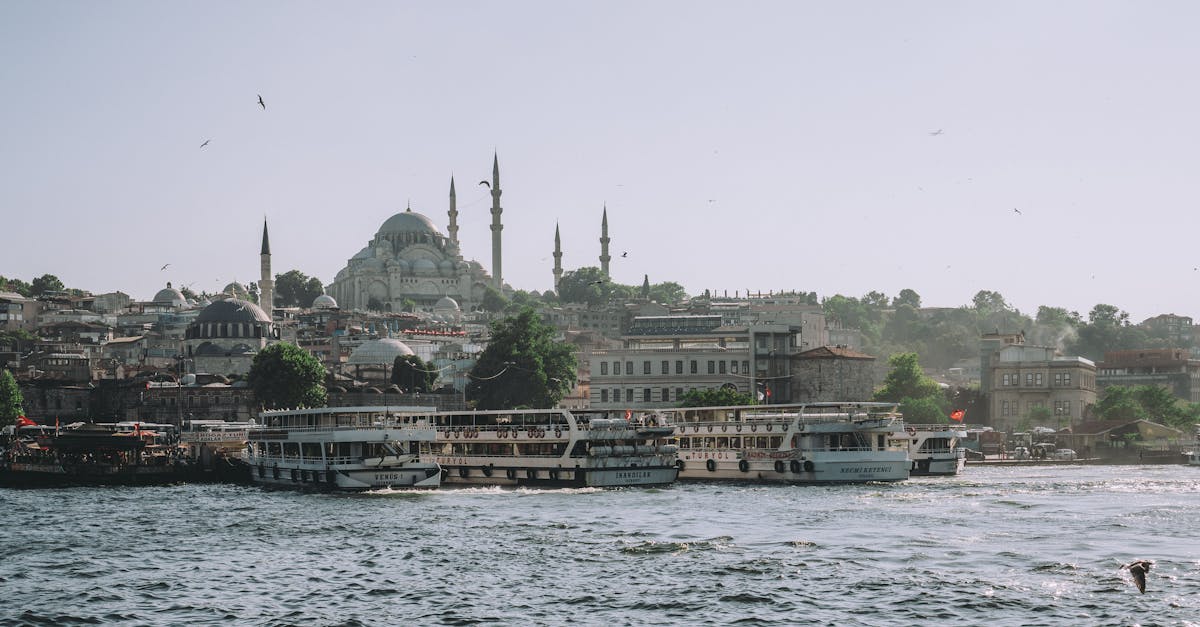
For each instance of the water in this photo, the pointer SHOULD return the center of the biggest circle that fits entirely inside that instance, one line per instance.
(1012, 546)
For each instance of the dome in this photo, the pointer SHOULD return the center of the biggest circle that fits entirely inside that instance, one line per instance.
(424, 266)
(170, 296)
(324, 301)
(446, 303)
(235, 289)
(233, 310)
(407, 222)
(379, 352)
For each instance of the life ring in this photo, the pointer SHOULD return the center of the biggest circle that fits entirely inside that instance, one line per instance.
(800, 427)
(456, 433)
(530, 473)
(711, 465)
(780, 466)
(502, 433)
(557, 432)
(486, 470)
(710, 428)
(463, 471)
(754, 427)
(770, 426)
(796, 467)
(511, 473)
(724, 428)
(808, 465)
(739, 428)
(531, 432)
(695, 428)
(744, 466)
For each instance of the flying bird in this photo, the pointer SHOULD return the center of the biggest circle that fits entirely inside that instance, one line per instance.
(1139, 569)
(1017, 210)
(936, 133)
(205, 143)
(164, 267)
(625, 254)
(261, 103)
(489, 185)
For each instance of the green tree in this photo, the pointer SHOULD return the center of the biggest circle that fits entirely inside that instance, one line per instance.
(585, 285)
(408, 305)
(493, 301)
(522, 366)
(906, 380)
(10, 399)
(412, 374)
(296, 289)
(907, 297)
(14, 285)
(286, 376)
(715, 397)
(926, 410)
(668, 293)
(45, 283)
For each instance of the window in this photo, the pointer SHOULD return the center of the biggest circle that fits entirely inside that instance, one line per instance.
(1029, 378)
(679, 366)
(746, 366)
(1037, 380)
(603, 396)
(733, 365)
(604, 367)
(1004, 407)
(617, 395)
(678, 393)
(1005, 380)
(721, 367)
(666, 394)
(695, 369)
(646, 393)
(616, 367)
(629, 394)
(712, 367)
(629, 367)
(1067, 381)
(666, 367)
(645, 367)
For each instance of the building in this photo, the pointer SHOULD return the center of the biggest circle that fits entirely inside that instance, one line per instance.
(1174, 329)
(832, 373)
(227, 335)
(1030, 381)
(1171, 368)
(17, 312)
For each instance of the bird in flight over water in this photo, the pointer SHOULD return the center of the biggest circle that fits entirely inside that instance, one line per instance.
(936, 133)
(1139, 569)
(489, 185)
(261, 103)
(205, 143)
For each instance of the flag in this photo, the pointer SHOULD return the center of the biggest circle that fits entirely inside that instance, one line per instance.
(958, 414)
(22, 421)
(628, 414)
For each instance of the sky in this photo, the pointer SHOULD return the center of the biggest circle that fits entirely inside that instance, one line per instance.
(1043, 150)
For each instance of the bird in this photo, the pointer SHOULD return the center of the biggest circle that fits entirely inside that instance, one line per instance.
(625, 254)
(936, 133)
(1017, 210)
(1139, 569)
(489, 185)
(164, 267)
(597, 282)
(205, 143)
(261, 103)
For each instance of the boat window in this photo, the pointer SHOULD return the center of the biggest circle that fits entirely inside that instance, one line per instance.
(735, 442)
(722, 442)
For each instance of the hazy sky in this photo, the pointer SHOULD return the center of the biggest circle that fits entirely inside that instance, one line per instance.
(764, 145)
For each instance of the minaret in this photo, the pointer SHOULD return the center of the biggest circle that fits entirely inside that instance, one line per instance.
(453, 228)
(557, 257)
(497, 274)
(266, 283)
(604, 257)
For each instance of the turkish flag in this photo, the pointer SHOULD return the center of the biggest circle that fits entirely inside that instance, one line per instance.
(958, 414)
(22, 421)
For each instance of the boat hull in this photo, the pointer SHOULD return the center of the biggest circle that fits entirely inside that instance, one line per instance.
(346, 479)
(55, 475)
(938, 467)
(794, 470)
(463, 473)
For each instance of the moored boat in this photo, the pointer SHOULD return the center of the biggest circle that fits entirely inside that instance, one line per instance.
(552, 448)
(934, 449)
(341, 449)
(92, 454)
(812, 443)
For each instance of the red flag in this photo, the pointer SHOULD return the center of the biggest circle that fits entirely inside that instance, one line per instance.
(628, 414)
(22, 421)
(958, 414)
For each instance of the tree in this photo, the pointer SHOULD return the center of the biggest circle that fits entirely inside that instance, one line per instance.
(14, 285)
(45, 283)
(585, 285)
(906, 380)
(10, 399)
(286, 376)
(296, 289)
(408, 305)
(668, 293)
(493, 301)
(412, 374)
(522, 366)
(907, 297)
(715, 397)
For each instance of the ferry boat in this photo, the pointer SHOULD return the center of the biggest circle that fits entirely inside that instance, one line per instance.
(92, 454)
(216, 450)
(557, 448)
(341, 449)
(934, 449)
(812, 443)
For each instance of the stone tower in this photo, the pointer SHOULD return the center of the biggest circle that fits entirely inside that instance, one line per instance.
(604, 256)
(557, 258)
(266, 282)
(497, 274)
(452, 229)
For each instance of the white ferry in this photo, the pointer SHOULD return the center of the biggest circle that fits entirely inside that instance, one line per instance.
(552, 448)
(934, 450)
(342, 448)
(793, 443)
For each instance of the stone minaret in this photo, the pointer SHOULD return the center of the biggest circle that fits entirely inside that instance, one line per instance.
(557, 258)
(266, 283)
(604, 257)
(452, 230)
(497, 274)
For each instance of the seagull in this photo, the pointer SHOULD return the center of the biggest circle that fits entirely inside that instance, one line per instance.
(489, 185)
(205, 143)
(625, 254)
(261, 103)
(1017, 210)
(936, 133)
(1139, 569)
(164, 267)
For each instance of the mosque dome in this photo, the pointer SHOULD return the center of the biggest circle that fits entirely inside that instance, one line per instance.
(383, 351)
(408, 222)
(232, 310)
(324, 301)
(170, 296)
(236, 290)
(424, 267)
(446, 304)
